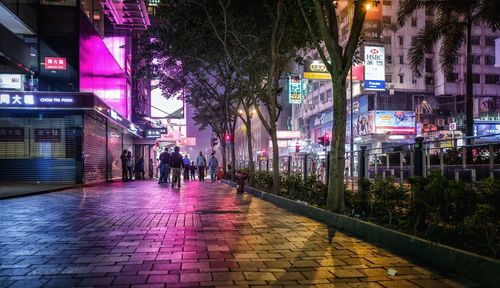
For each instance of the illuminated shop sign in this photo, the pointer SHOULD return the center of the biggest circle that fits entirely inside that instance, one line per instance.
(152, 133)
(288, 134)
(374, 68)
(11, 81)
(316, 69)
(55, 63)
(294, 89)
(485, 129)
(28, 100)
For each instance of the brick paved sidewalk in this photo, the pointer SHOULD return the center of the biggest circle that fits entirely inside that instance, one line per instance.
(142, 235)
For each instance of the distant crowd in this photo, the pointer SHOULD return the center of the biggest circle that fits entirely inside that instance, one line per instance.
(170, 167)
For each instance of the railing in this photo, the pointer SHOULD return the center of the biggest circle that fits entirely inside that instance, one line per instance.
(451, 157)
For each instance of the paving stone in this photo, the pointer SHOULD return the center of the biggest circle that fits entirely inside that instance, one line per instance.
(141, 234)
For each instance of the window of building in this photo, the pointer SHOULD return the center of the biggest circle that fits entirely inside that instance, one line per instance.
(386, 19)
(476, 59)
(401, 78)
(475, 40)
(413, 22)
(387, 40)
(489, 41)
(401, 61)
(452, 77)
(401, 40)
(386, 3)
(489, 60)
(429, 80)
(388, 59)
(476, 78)
(428, 65)
(491, 79)
(388, 78)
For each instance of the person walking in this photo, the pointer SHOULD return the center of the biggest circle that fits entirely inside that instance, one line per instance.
(151, 168)
(123, 159)
(212, 166)
(201, 163)
(164, 164)
(192, 169)
(141, 167)
(130, 165)
(177, 163)
(186, 163)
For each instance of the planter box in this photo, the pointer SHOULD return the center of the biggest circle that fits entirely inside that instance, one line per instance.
(476, 267)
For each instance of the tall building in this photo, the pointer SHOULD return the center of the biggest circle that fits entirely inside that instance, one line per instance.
(408, 105)
(66, 89)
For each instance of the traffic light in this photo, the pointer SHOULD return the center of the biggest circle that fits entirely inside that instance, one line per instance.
(297, 148)
(321, 140)
(326, 139)
(214, 141)
(228, 138)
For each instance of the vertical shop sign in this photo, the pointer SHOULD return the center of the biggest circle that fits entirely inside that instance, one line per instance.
(374, 68)
(294, 89)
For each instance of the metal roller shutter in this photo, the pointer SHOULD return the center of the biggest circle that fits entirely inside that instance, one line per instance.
(114, 151)
(94, 149)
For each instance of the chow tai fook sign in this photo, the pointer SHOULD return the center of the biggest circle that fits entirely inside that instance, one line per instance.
(395, 122)
(45, 100)
(374, 68)
(294, 89)
(55, 63)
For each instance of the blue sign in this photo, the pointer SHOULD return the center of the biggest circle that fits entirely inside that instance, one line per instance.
(374, 84)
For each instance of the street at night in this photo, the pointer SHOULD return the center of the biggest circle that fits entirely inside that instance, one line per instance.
(261, 143)
(204, 234)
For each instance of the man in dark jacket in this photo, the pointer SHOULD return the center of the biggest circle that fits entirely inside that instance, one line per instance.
(123, 158)
(177, 163)
(164, 166)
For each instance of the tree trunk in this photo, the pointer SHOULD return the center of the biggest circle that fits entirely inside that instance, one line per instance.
(251, 167)
(335, 198)
(468, 84)
(469, 91)
(276, 160)
(223, 152)
(233, 158)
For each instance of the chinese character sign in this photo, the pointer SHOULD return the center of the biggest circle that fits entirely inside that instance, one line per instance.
(374, 68)
(294, 89)
(55, 63)
(10, 134)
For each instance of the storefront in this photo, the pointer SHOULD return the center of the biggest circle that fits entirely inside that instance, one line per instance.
(61, 138)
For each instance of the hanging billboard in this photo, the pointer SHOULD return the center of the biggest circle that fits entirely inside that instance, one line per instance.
(372, 26)
(163, 107)
(374, 68)
(395, 122)
(316, 69)
(294, 89)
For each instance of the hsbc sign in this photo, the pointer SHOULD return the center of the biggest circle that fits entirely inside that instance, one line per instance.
(374, 68)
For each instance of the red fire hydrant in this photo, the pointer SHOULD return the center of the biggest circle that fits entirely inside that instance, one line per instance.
(240, 180)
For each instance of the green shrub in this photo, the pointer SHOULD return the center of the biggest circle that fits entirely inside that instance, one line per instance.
(263, 180)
